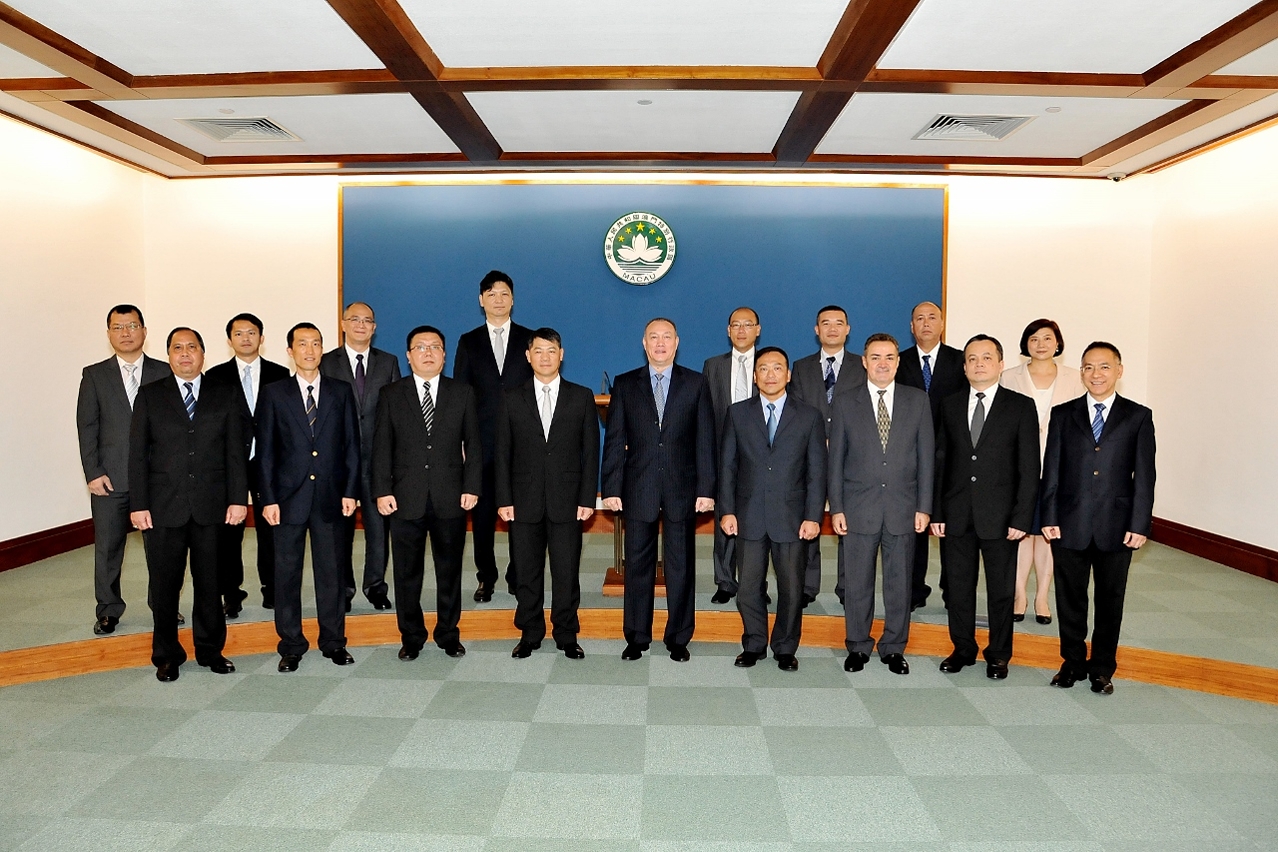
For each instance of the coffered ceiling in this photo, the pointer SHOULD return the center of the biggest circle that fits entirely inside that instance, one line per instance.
(1085, 89)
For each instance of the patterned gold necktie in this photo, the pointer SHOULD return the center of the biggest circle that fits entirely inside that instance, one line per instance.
(885, 422)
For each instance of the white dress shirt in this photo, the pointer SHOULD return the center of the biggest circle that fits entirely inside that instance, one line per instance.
(350, 355)
(888, 397)
(1107, 402)
(255, 376)
(971, 400)
(425, 386)
(492, 340)
(838, 362)
(124, 369)
(931, 364)
(538, 387)
(314, 384)
(735, 356)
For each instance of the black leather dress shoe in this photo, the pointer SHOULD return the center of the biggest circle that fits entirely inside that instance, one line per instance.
(524, 650)
(679, 653)
(106, 624)
(896, 663)
(996, 669)
(406, 653)
(746, 659)
(632, 652)
(268, 602)
(231, 611)
(787, 662)
(918, 604)
(181, 618)
(573, 651)
(456, 649)
(380, 601)
(218, 665)
(348, 604)
(340, 657)
(807, 599)
(166, 672)
(484, 593)
(953, 664)
(1018, 617)
(855, 661)
(1043, 619)
(720, 597)
(1101, 685)
(1066, 677)
(288, 662)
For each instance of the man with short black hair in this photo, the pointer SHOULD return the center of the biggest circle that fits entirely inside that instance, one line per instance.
(367, 370)
(491, 360)
(188, 468)
(104, 410)
(1098, 504)
(248, 372)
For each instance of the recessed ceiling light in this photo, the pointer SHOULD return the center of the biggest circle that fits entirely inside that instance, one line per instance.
(227, 111)
(645, 102)
(1052, 109)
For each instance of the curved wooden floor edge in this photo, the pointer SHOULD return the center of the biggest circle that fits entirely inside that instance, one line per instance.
(1236, 680)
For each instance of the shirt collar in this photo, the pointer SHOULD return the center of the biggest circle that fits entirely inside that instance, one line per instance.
(431, 383)
(931, 354)
(1108, 401)
(124, 365)
(874, 389)
(351, 353)
(195, 382)
(837, 356)
(240, 363)
(652, 371)
(553, 384)
(779, 402)
(303, 383)
(749, 353)
(491, 328)
(989, 392)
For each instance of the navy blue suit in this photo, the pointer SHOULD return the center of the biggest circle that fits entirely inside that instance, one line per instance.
(307, 477)
(659, 469)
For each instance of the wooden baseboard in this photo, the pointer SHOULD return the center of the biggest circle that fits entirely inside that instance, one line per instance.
(26, 549)
(1227, 551)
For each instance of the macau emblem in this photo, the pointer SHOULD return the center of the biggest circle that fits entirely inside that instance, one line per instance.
(639, 248)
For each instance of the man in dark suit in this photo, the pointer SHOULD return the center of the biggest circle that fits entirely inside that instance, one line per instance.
(1098, 503)
(820, 378)
(189, 469)
(659, 468)
(986, 490)
(104, 408)
(491, 360)
(248, 372)
(772, 482)
(367, 370)
(308, 450)
(547, 469)
(427, 472)
(730, 378)
(937, 369)
(882, 453)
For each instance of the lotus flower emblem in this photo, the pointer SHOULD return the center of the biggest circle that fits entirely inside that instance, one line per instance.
(639, 250)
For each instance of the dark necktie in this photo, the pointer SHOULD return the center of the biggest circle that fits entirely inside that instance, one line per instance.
(359, 377)
(927, 373)
(189, 400)
(830, 378)
(884, 421)
(978, 419)
(312, 411)
(428, 410)
(1098, 422)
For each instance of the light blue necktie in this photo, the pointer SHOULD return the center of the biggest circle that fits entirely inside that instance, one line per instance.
(772, 423)
(660, 396)
(189, 400)
(1098, 422)
(247, 384)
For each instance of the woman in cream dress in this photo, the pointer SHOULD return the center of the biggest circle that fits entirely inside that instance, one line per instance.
(1048, 384)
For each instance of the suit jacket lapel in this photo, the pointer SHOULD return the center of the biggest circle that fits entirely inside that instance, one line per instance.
(174, 397)
(1082, 411)
(1117, 414)
(297, 405)
(784, 421)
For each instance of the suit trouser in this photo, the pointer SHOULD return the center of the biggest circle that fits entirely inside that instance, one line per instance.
(812, 568)
(922, 552)
(963, 554)
(529, 543)
(166, 550)
(788, 562)
(111, 528)
(230, 552)
(447, 542)
(641, 576)
(725, 574)
(330, 604)
(375, 551)
(1108, 573)
(858, 602)
(483, 531)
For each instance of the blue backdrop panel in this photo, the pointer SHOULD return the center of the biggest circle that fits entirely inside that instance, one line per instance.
(417, 254)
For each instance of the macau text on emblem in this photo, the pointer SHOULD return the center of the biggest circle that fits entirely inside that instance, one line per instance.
(639, 248)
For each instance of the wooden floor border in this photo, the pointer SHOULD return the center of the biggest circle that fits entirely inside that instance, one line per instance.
(108, 653)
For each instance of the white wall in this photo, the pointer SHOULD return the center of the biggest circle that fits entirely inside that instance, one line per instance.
(1214, 314)
(70, 248)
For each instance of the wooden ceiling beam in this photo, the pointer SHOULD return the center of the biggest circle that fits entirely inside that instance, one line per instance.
(36, 41)
(1021, 83)
(862, 35)
(104, 121)
(1232, 40)
(1166, 128)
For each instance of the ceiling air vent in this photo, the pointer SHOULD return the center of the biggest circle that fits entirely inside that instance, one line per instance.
(973, 128)
(241, 129)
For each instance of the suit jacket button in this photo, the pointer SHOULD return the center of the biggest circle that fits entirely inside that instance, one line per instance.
(314, 452)
(428, 467)
(312, 476)
(973, 478)
(1095, 473)
(1098, 449)
(429, 447)
(973, 458)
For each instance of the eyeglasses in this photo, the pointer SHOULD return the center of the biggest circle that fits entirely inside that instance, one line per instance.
(129, 326)
(426, 347)
(361, 321)
(737, 326)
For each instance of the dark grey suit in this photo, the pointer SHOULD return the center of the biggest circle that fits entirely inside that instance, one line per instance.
(102, 418)
(807, 382)
(879, 491)
(720, 373)
(772, 490)
(382, 369)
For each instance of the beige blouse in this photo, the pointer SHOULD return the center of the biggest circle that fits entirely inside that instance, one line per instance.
(1067, 386)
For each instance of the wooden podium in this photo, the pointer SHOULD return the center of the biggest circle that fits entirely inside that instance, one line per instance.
(615, 576)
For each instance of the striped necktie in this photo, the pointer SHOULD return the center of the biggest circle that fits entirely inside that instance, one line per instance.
(1098, 422)
(830, 379)
(428, 410)
(131, 387)
(312, 411)
(189, 400)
